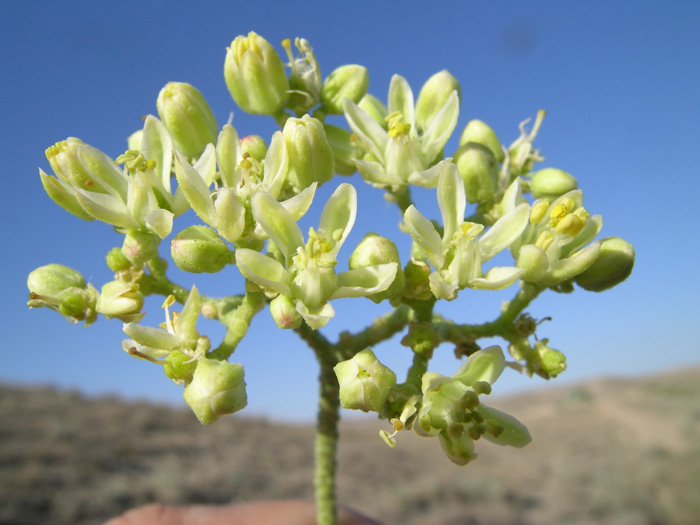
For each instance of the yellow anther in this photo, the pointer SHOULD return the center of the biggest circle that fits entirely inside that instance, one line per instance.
(539, 209)
(169, 301)
(545, 240)
(571, 225)
(397, 127)
(54, 150)
(582, 213)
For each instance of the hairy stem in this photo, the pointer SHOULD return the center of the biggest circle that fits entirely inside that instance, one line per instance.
(237, 321)
(328, 356)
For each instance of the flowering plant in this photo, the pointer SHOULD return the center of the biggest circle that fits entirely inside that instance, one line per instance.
(250, 193)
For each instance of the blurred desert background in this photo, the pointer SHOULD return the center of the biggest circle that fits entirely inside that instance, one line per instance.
(610, 451)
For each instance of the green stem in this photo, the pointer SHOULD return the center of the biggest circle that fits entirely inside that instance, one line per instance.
(326, 445)
(328, 356)
(237, 321)
(504, 326)
(383, 328)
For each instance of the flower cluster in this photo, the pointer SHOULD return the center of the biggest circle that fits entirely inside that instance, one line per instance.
(249, 194)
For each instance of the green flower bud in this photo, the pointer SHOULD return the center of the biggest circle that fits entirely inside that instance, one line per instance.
(140, 246)
(179, 367)
(217, 389)
(548, 362)
(375, 108)
(121, 300)
(479, 170)
(372, 250)
(116, 260)
(417, 278)
(551, 183)
(459, 449)
(52, 279)
(199, 249)
(255, 75)
(63, 290)
(433, 96)
(345, 149)
(481, 133)
(613, 265)
(78, 303)
(187, 117)
(254, 145)
(310, 154)
(364, 382)
(284, 312)
(350, 81)
(421, 338)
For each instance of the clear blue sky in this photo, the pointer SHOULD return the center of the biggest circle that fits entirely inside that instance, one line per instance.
(620, 82)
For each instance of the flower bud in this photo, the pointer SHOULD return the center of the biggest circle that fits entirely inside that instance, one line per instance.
(284, 312)
(217, 389)
(254, 145)
(310, 154)
(417, 278)
(199, 249)
(551, 183)
(116, 260)
(255, 75)
(187, 117)
(345, 149)
(350, 81)
(364, 382)
(481, 133)
(63, 290)
(372, 250)
(179, 367)
(549, 362)
(375, 108)
(52, 279)
(479, 170)
(433, 96)
(140, 246)
(121, 300)
(613, 265)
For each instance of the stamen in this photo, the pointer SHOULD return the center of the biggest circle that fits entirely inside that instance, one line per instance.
(133, 351)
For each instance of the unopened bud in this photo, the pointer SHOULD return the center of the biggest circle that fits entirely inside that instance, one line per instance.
(121, 300)
(254, 145)
(433, 96)
(255, 75)
(479, 170)
(179, 367)
(52, 279)
(310, 155)
(116, 260)
(613, 265)
(364, 382)
(187, 117)
(481, 133)
(550, 362)
(349, 81)
(140, 246)
(284, 312)
(217, 389)
(551, 183)
(372, 250)
(199, 249)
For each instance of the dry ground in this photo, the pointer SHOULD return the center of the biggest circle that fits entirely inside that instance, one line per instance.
(617, 452)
